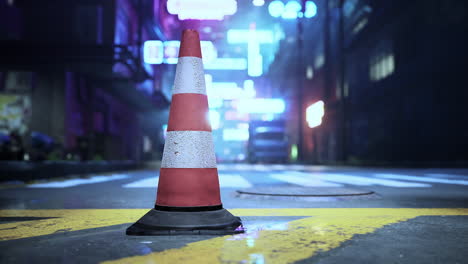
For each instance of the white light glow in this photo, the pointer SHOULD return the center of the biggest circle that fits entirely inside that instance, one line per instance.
(381, 66)
(315, 113)
(258, 2)
(226, 64)
(291, 10)
(235, 36)
(249, 89)
(309, 73)
(202, 9)
(219, 91)
(310, 9)
(214, 103)
(234, 134)
(153, 52)
(171, 51)
(276, 8)
(224, 90)
(261, 106)
(253, 38)
(164, 129)
(214, 117)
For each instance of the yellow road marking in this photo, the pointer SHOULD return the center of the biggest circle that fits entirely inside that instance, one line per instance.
(301, 239)
(325, 229)
(80, 219)
(65, 221)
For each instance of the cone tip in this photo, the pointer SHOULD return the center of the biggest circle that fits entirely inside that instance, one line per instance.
(190, 44)
(189, 31)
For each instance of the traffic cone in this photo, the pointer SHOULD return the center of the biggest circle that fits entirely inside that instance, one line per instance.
(188, 198)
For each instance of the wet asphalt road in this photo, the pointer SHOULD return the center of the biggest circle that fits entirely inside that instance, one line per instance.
(413, 216)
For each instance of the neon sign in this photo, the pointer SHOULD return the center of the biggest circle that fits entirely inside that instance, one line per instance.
(253, 38)
(158, 52)
(202, 9)
(292, 9)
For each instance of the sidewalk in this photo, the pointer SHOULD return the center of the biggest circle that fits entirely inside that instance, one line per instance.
(27, 171)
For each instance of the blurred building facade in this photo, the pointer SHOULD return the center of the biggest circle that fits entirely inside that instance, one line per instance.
(73, 71)
(391, 76)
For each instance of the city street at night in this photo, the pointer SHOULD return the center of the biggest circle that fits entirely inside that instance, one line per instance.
(233, 131)
(394, 216)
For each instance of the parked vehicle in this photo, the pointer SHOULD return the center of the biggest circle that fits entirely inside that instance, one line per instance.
(268, 142)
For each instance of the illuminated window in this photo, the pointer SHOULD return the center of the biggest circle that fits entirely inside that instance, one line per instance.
(315, 113)
(381, 66)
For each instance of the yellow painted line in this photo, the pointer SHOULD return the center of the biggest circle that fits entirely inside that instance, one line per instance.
(347, 211)
(301, 239)
(64, 221)
(326, 229)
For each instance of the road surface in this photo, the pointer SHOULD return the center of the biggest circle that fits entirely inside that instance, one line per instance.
(386, 216)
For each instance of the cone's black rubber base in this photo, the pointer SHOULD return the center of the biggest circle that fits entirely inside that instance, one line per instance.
(165, 223)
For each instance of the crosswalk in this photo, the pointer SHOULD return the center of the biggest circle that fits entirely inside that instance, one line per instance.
(422, 179)
(76, 182)
(278, 177)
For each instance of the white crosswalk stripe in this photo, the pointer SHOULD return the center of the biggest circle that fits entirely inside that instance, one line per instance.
(76, 182)
(145, 183)
(233, 181)
(447, 176)
(303, 179)
(367, 181)
(336, 180)
(420, 179)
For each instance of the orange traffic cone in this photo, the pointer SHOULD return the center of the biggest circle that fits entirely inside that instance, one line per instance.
(188, 199)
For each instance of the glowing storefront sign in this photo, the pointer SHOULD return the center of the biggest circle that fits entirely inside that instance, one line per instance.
(202, 9)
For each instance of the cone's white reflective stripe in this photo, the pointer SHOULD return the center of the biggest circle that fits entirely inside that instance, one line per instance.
(189, 149)
(189, 77)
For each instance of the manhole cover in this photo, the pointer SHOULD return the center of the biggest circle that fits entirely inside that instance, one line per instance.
(307, 194)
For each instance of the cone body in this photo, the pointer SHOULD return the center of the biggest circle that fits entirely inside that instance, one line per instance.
(188, 198)
(188, 176)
